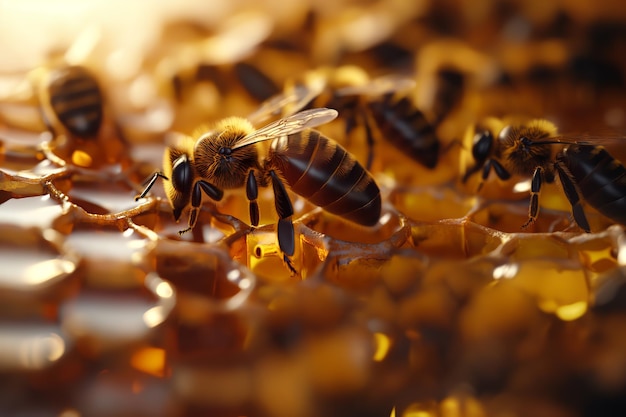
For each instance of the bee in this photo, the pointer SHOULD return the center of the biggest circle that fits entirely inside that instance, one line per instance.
(75, 99)
(587, 172)
(382, 103)
(286, 152)
(74, 110)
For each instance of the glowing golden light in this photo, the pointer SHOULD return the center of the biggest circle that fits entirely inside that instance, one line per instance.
(81, 159)
(70, 412)
(522, 186)
(506, 271)
(417, 413)
(30, 349)
(45, 271)
(154, 316)
(150, 360)
(451, 407)
(164, 290)
(572, 311)
(419, 410)
(382, 343)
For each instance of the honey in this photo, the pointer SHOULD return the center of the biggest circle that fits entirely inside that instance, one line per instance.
(452, 304)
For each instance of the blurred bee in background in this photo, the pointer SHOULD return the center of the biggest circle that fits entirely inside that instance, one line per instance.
(587, 172)
(72, 107)
(288, 152)
(384, 107)
(209, 71)
(74, 110)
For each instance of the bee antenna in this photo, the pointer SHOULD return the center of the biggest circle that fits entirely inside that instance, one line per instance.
(150, 182)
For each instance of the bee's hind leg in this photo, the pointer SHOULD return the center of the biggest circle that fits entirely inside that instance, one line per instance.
(252, 193)
(286, 241)
(285, 230)
(574, 199)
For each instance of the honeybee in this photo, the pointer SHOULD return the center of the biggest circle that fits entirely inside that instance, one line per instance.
(72, 106)
(284, 152)
(381, 103)
(68, 103)
(74, 110)
(75, 100)
(534, 149)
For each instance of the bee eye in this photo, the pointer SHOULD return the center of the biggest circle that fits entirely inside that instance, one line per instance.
(483, 142)
(182, 176)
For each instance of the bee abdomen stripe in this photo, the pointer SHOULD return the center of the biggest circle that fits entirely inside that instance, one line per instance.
(362, 193)
(324, 163)
(340, 182)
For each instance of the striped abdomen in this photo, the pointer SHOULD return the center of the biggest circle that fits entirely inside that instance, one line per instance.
(600, 178)
(407, 128)
(76, 100)
(324, 173)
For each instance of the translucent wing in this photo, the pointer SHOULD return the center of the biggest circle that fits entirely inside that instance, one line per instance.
(379, 86)
(286, 103)
(609, 140)
(292, 124)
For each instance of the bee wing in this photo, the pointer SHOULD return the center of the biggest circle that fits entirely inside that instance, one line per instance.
(288, 102)
(379, 86)
(609, 139)
(292, 124)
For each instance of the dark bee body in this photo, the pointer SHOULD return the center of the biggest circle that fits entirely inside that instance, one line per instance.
(380, 104)
(531, 149)
(406, 128)
(235, 155)
(74, 110)
(324, 173)
(76, 100)
(599, 177)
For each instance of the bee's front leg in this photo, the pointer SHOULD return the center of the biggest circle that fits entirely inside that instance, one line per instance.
(535, 188)
(196, 200)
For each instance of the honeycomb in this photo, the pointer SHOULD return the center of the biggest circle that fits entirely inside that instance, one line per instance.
(445, 308)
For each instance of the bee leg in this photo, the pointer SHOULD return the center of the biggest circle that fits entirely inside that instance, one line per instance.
(572, 196)
(150, 183)
(196, 200)
(471, 171)
(500, 171)
(285, 231)
(252, 192)
(369, 137)
(535, 187)
(286, 241)
(483, 142)
(211, 190)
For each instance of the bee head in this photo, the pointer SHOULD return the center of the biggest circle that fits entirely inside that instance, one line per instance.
(216, 161)
(526, 146)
